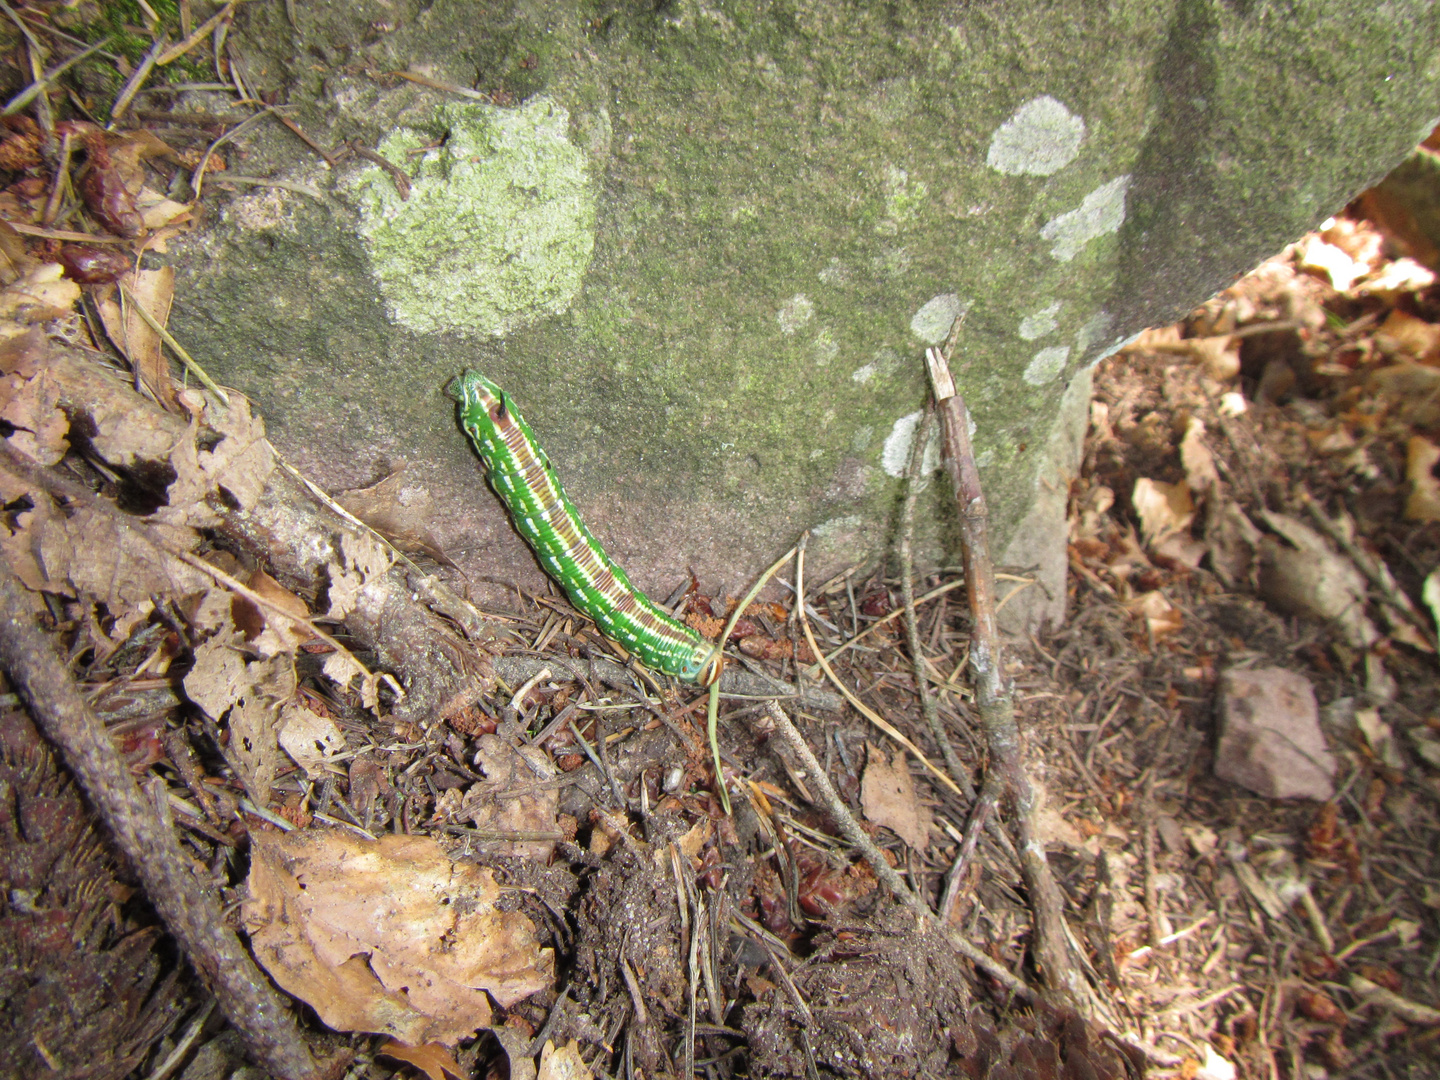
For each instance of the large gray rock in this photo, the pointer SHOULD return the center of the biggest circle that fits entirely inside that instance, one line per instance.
(704, 245)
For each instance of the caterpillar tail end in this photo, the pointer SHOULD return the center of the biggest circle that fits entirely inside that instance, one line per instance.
(710, 670)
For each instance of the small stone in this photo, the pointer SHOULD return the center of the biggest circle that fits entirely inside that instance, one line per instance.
(1270, 739)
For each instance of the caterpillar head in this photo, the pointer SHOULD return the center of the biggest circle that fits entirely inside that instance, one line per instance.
(477, 396)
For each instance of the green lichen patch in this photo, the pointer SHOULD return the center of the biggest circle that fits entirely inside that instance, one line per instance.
(499, 226)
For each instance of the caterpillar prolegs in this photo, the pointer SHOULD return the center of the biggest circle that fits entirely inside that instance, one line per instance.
(524, 479)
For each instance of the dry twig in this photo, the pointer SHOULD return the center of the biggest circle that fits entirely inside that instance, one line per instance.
(996, 704)
(246, 997)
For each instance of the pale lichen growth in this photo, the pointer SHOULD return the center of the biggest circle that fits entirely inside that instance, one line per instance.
(1046, 364)
(1041, 138)
(931, 324)
(499, 226)
(1100, 212)
(1039, 323)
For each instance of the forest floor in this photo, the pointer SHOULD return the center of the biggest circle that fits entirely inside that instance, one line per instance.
(529, 841)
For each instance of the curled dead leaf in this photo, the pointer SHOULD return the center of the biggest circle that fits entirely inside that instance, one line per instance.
(388, 936)
(1162, 618)
(1307, 576)
(1163, 508)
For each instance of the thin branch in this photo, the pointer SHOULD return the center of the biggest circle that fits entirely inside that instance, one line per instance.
(191, 914)
(913, 485)
(993, 699)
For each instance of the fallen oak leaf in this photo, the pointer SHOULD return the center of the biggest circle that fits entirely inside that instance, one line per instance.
(388, 936)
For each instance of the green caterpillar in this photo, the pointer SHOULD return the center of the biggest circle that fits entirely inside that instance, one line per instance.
(524, 479)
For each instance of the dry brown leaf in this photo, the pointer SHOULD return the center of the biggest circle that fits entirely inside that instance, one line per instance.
(40, 294)
(1233, 542)
(1162, 618)
(309, 738)
(363, 557)
(24, 354)
(398, 510)
(133, 336)
(432, 1059)
(87, 551)
(342, 669)
(157, 211)
(253, 745)
(1317, 255)
(1218, 355)
(253, 692)
(1195, 455)
(388, 936)
(1311, 578)
(267, 632)
(1163, 338)
(887, 795)
(492, 807)
(1423, 503)
(563, 1063)
(217, 679)
(1404, 333)
(1403, 275)
(238, 465)
(1163, 508)
(32, 406)
(1181, 549)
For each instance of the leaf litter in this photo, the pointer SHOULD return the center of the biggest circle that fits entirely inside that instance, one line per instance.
(1228, 936)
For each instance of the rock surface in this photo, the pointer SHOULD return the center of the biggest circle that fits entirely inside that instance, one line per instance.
(705, 245)
(1269, 738)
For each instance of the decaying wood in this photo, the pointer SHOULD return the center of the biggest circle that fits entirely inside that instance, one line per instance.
(438, 668)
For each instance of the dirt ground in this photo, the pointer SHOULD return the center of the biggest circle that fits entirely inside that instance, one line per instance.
(526, 838)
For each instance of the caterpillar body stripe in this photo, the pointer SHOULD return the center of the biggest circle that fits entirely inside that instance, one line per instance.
(524, 479)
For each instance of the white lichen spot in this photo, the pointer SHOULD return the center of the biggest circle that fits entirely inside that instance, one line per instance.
(1093, 332)
(895, 454)
(1041, 138)
(985, 459)
(881, 364)
(931, 324)
(816, 454)
(834, 273)
(891, 262)
(1039, 323)
(1099, 213)
(835, 525)
(862, 438)
(1046, 364)
(823, 348)
(795, 313)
